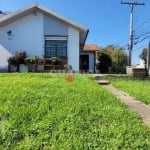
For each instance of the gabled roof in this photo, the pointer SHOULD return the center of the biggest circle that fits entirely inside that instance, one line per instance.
(2, 14)
(34, 7)
(90, 47)
(6, 19)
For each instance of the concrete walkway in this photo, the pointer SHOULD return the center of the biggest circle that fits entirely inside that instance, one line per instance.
(140, 108)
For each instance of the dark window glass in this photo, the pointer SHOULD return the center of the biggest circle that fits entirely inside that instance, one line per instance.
(56, 48)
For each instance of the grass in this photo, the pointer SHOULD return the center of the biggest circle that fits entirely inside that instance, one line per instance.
(45, 112)
(138, 88)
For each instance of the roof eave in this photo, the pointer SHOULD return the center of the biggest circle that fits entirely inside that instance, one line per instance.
(16, 15)
(35, 7)
(58, 16)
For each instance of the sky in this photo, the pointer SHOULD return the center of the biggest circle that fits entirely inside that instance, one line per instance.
(107, 20)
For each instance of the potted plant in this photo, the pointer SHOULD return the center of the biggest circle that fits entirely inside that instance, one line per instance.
(40, 64)
(21, 63)
(12, 64)
(31, 62)
(55, 60)
(31, 59)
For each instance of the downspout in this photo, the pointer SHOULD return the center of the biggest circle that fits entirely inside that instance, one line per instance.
(87, 32)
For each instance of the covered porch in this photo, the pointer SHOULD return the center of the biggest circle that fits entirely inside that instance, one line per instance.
(88, 58)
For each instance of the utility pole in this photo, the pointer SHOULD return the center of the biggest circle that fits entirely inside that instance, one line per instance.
(148, 59)
(131, 35)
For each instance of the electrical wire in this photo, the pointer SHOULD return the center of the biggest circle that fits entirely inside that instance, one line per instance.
(140, 26)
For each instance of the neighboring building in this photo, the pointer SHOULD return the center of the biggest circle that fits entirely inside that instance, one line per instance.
(141, 65)
(87, 58)
(41, 32)
(4, 55)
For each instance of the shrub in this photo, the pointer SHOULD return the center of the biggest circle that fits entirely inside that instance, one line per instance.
(12, 60)
(20, 57)
(55, 60)
(48, 61)
(31, 60)
(105, 62)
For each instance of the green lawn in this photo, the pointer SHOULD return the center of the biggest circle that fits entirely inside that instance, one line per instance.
(135, 87)
(45, 112)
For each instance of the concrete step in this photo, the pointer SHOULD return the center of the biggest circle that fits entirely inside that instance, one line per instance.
(103, 82)
(100, 77)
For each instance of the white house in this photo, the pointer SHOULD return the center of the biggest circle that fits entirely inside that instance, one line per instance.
(42, 32)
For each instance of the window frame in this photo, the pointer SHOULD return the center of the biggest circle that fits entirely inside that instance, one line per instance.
(57, 39)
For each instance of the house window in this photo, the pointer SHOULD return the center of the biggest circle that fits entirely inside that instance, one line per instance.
(55, 46)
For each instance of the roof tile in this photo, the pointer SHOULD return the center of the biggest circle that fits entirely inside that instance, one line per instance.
(90, 47)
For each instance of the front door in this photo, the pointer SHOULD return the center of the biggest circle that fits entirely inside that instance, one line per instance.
(84, 63)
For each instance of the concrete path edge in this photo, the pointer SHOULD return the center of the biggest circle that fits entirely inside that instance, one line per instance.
(139, 107)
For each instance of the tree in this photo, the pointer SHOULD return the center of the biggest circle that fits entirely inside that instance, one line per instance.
(104, 62)
(118, 56)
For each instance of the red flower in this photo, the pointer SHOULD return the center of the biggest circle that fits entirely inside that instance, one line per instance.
(69, 78)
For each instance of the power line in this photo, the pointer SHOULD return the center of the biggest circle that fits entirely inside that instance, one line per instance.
(141, 40)
(131, 40)
(147, 20)
(141, 35)
(141, 47)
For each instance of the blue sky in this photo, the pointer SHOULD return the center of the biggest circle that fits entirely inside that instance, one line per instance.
(107, 20)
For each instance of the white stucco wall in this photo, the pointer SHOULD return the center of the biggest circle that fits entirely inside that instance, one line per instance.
(53, 26)
(73, 48)
(4, 55)
(27, 34)
(91, 62)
